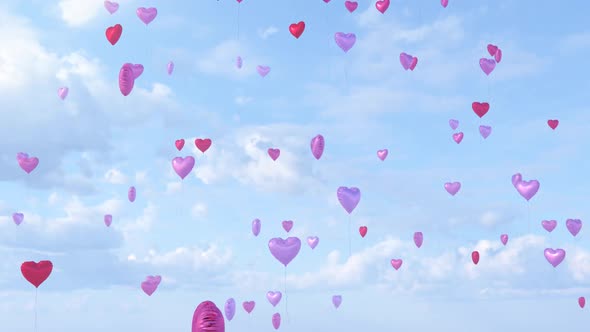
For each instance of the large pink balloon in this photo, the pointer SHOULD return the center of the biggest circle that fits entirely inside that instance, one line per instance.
(208, 318)
(126, 79)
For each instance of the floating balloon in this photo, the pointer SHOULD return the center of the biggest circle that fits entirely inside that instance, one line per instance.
(131, 194)
(208, 318)
(126, 79)
(114, 33)
(28, 164)
(296, 29)
(549, 225)
(108, 220)
(18, 218)
(516, 178)
(183, 166)
(111, 7)
(553, 124)
(418, 239)
(382, 154)
(263, 70)
(345, 40)
(256, 227)
(284, 250)
(287, 225)
(147, 15)
(487, 65)
(408, 61)
(396, 263)
(498, 56)
(230, 309)
(444, 3)
(62, 92)
(249, 306)
(203, 144)
(527, 189)
(573, 226)
(313, 241)
(317, 146)
(274, 297)
(454, 124)
(170, 67)
(458, 137)
(274, 153)
(150, 284)
(137, 70)
(452, 187)
(179, 144)
(554, 256)
(475, 257)
(382, 5)
(276, 320)
(485, 131)
(582, 302)
(492, 49)
(480, 108)
(351, 5)
(504, 238)
(363, 231)
(337, 300)
(239, 62)
(36, 273)
(349, 198)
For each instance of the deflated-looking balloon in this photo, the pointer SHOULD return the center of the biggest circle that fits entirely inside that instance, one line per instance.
(208, 318)
(126, 79)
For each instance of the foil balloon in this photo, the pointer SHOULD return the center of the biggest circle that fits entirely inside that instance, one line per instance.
(396, 263)
(582, 302)
(114, 33)
(256, 227)
(150, 284)
(313, 241)
(349, 198)
(475, 257)
(183, 166)
(208, 318)
(230, 309)
(382, 5)
(527, 189)
(239, 62)
(351, 6)
(263, 70)
(487, 65)
(382, 154)
(287, 225)
(337, 300)
(111, 7)
(284, 250)
(137, 70)
(274, 153)
(444, 3)
(573, 226)
(249, 306)
(62, 92)
(452, 187)
(458, 137)
(131, 194)
(274, 297)
(36, 273)
(146, 15)
(418, 239)
(549, 225)
(363, 231)
(485, 131)
(126, 79)
(554, 256)
(345, 40)
(504, 238)
(108, 220)
(276, 320)
(26, 163)
(18, 218)
(454, 124)
(170, 67)
(317, 145)
(553, 123)
(408, 61)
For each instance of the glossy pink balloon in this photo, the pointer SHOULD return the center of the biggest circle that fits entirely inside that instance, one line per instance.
(454, 124)
(249, 306)
(485, 131)
(28, 164)
(504, 238)
(351, 5)
(554, 256)
(230, 309)
(126, 79)
(274, 153)
(287, 225)
(131, 194)
(487, 65)
(18, 218)
(108, 220)
(397, 263)
(408, 61)
(337, 300)
(317, 145)
(452, 187)
(313, 241)
(527, 189)
(345, 40)
(276, 320)
(150, 284)
(382, 5)
(256, 227)
(498, 56)
(274, 297)
(111, 7)
(183, 166)
(208, 318)
(444, 3)
(418, 239)
(582, 302)
(63, 92)
(284, 250)
(573, 226)
(170, 67)
(137, 70)
(147, 15)
(382, 154)
(549, 225)
(458, 137)
(349, 198)
(263, 70)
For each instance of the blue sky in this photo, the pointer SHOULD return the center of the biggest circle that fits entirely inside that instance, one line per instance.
(195, 233)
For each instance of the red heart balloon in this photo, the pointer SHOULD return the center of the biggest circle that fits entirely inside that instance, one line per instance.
(480, 108)
(553, 123)
(36, 273)
(179, 144)
(296, 29)
(203, 144)
(363, 230)
(475, 257)
(114, 33)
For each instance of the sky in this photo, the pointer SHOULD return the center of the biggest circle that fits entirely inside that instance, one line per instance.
(196, 232)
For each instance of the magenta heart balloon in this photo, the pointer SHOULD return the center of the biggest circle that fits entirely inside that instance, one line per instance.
(137, 70)
(126, 79)
(382, 154)
(337, 300)
(313, 241)
(276, 320)
(249, 306)
(108, 220)
(274, 297)
(554, 257)
(407, 61)
(111, 7)
(452, 187)
(573, 226)
(498, 56)
(230, 309)
(396, 263)
(485, 131)
(62, 92)
(150, 284)
(349, 198)
(418, 239)
(208, 318)
(18, 218)
(444, 3)
(287, 225)
(317, 146)
(131, 194)
(147, 15)
(263, 70)
(274, 153)
(284, 250)
(527, 189)
(26, 163)
(549, 225)
(454, 124)
(504, 238)
(256, 227)
(458, 137)
(487, 65)
(345, 40)
(351, 5)
(183, 166)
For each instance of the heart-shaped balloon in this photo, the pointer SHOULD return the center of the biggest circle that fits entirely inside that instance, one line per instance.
(553, 124)
(516, 178)
(480, 108)
(498, 56)
(287, 225)
(114, 33)
(183, 166)
(485, 131)
(18, 218)
(36, 273)
(131, 194)
(203, 144)
(554, 256)
(458, 137)
(349, 198)
(382, 154)
(408, 61)
(249, 306)
(274, 153)
(150, 284)
(444, 3)
(317, 146)
(337, 300)
(62, 92)
(137, 70)
(582, 302)
(230, 309)
(549, 225)
(454, 124)
(345, 40)
(179, 144)
(573, 226)
(147, 15)
(487, 65)
(363, 231)
(504, 239)
(108, 220)
(418, 239)
(452, 187)
(208, 318)
(256, 227)
(276, 320)
(126, 79)
(313, 241)
(351, 5)
(492, 49)
(28, 164)
(111, 7)
(263, 70)
(527, 189)
(296, 29)
(396, 263)
(274, 297)
(382, 5)
(475, 257)
(284, 250)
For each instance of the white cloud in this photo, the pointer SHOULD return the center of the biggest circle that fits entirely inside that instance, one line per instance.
(188, 259)
(243, 100)
(578, 263)
(265, 33)
(115, 176)
(199, 210)
(576, 41)
(173, 187)
(53, 198)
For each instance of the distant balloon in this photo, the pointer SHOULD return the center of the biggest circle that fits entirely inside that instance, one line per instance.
(349, 198)
(485, 131)
(492, 49)
(276, 320)
(452, 187)
(363, 231)
(480, 108)
(274, 153)
(114, 33)
(111, 7)
(230, 309)
(418, 239)
(444, 3)
(208, 318)
(131, 194)
(256, 227)
(582, 302)
(170, 67)
(408, 61)
(549, 225)
(313, 241)
(475, 257)
(179, 143)
(108, 220)
(527, 189)
(396, 263)
(263, 70)
(36, 273)
(239, 62)
(554, 256)
(504, 238)
(382, 5)
(150, 284)
(183, 166)
(249, 306)
(296, 29)
(137, 70)
(382, 154)
(126, 79)
(317, 146)
(287, 225)
(284, 250)
(487, 65)
(147, 15)
(498, 56)
(454, 124)
(18, 218)
(351, 6)
(28, 164)
(458, 137)
(337, 300)
(274, 297)
(345, 40)
(573, 226)
(63, 92)
(553, 124)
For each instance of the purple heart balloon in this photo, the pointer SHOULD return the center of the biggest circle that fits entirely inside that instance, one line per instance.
(26, 163)
(183, 166)
(284, 250)
(527, 189)
(131, 194)
(345, 40)
(263, 70)
(274, 297)
(349, 198)
(573, 226)
(454, 124)
(108, 220)
(63, 92)
(487, 65)
(452, 187)
(337, 300)
(18, 218)
(150, 284)
(276, 320)
(230, 309)
(504, 238)
(549, 225)
(137, 70)
(407, 61)
(111, 7)
(317, 146)
(382, 154)
(256, 227)
(287, 225)
(418, 239)
(170, 67)
(554, 257)
(274, 154)
(485, 131)
(313, 241)
(249, 306)
(146, 15)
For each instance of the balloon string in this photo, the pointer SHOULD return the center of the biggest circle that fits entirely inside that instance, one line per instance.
(349, 237)
(528, 206)
(286, 298)
(238, 23)
(36, 290)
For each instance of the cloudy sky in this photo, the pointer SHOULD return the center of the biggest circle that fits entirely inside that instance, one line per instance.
(195, 233)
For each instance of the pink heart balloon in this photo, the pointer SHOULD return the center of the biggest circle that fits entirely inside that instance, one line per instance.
(284, 250)
(274, 153)
(137, 70)
(554, 256)
(485, 131)
(287, 225)
(516, 178)
(63, 92)
(454, 124)
(492, 49)
(108, 220)
(170, 67)
(183, 166)
(498, 56)
(444, 3)
(313, 241)
(382, 5)
(337, 300)
(487, 65)
(452, 187)
(239, 62)
(458, 137)
(263, 70)
(111, 7)
(256, 227)
(549, 225)
(382, 154)
(18, 218)
(150, 284)
(28, 164)
(351, 5)
(317, 146)
(126, 79)
(396, 263)
(249, 306)
(418, 239)
(208, 318)
(146, 15)
(345, 40)
(504, 238)
(582, 302)
(131, 194)
(527, 189)
(274, 297)
(406, 60)
(573, 226)
(276, 320)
